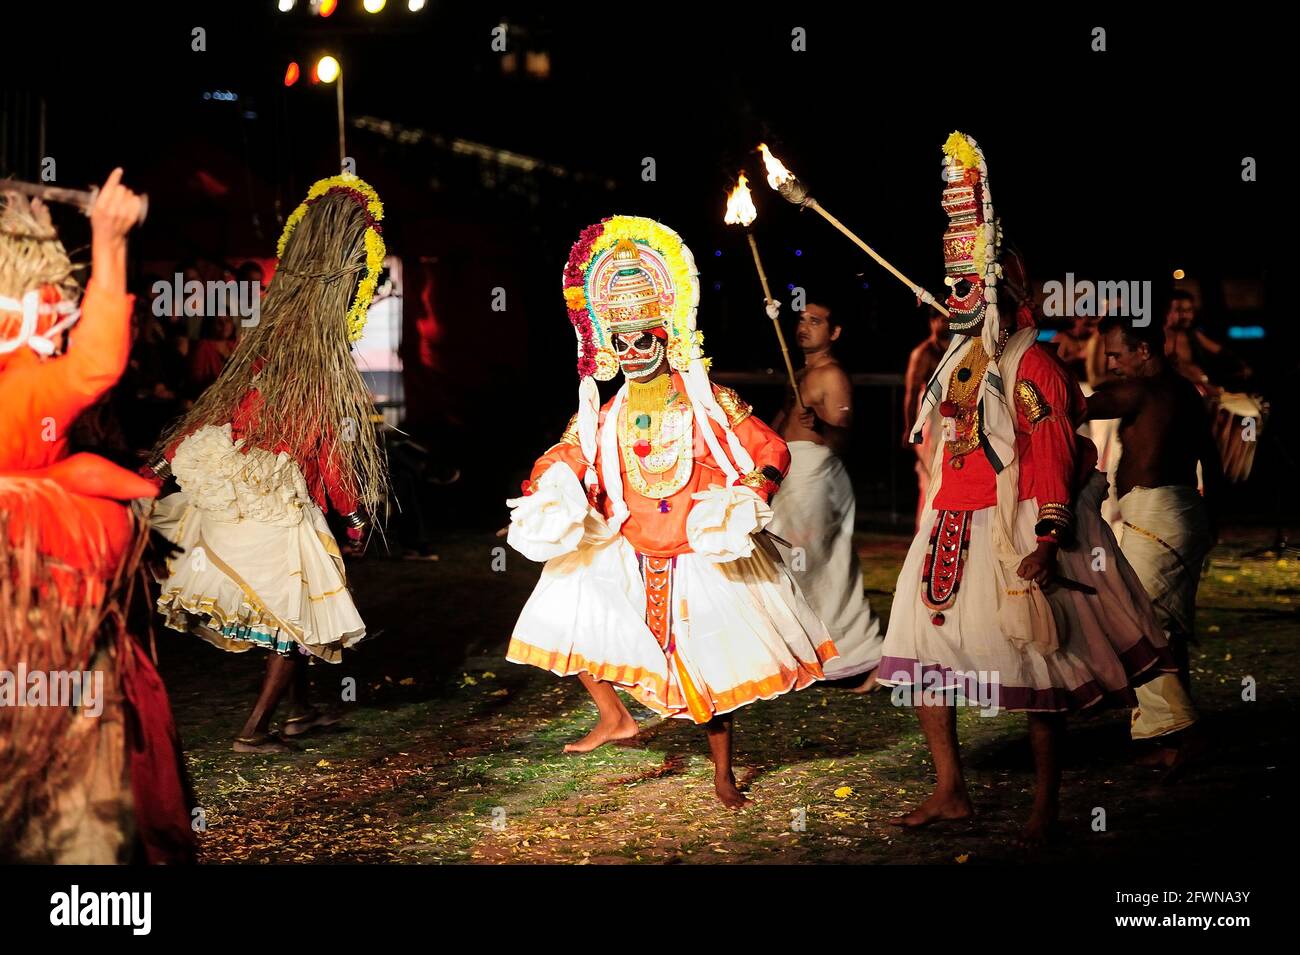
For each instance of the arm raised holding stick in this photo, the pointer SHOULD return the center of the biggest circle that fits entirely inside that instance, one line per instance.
(741, 211)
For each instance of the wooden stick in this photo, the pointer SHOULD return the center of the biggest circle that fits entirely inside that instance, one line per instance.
(83, 199)
(780, 336)
(921, 293)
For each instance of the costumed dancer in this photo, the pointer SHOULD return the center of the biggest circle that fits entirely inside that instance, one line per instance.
(1167, 527)
(283, 433)
(649, 513)
(1002, 598)
(96, 779)
(816, 510)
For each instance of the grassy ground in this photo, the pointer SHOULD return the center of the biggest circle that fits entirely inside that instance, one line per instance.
(451, 754)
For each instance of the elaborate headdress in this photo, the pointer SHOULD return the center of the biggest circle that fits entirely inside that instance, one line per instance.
(298, 355)
(631, 274)
(627, 274)
(38, 294)
(972, 242)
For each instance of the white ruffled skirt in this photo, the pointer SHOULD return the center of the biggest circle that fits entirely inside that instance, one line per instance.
(1110, 641)
(740, 630)
(259, 566)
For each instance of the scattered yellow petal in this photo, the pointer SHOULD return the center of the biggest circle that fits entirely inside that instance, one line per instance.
(964, 857)
(467, 680)
(1227, 657)
(408, 681)
(324, 762)
(489, 675)
(844, 792)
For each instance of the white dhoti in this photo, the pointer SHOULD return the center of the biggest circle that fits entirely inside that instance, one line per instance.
(814, 511)
(1110, 641)
(259, 565)
(739, 631)
(1166, 539)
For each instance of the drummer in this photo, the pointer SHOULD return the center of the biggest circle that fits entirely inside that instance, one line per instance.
(1238, 417)
(1190, 350)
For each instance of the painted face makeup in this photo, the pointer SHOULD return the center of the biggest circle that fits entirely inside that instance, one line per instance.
(638, 355)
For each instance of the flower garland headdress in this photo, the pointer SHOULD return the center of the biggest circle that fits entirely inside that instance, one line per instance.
(365, 196)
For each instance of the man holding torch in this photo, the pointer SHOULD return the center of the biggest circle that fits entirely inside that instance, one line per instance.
(1014, 594)
(815, 511)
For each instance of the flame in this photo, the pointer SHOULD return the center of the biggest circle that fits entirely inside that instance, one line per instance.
(740, 204)
(777, 174)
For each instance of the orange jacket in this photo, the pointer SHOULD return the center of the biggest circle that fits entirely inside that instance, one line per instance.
(41, 398)
(649, 529)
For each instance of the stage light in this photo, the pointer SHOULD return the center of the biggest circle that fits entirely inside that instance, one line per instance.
(373, 6)
(1179, 274)
(327, 69)
(415, 6)
(326, 8)
(292, 73)
(286, 5)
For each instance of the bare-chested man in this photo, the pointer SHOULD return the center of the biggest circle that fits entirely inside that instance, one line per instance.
(1189, 350)
(815, 509)
(921, 364)
(1168, 528)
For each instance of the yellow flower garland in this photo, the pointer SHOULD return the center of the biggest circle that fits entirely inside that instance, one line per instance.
(666, 243)
(375, 250)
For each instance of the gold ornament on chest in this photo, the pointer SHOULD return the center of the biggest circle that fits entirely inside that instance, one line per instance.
(960, 409)
(655, 436)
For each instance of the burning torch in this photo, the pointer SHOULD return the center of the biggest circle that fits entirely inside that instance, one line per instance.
(784, 181)
(741, 211)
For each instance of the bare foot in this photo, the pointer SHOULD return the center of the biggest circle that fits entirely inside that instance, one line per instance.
(266, 743)
(869, 685)
(730, 796)
(938, 808)
(603, 733)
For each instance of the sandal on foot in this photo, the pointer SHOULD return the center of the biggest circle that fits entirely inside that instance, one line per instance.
(263, 743)
(304, 722)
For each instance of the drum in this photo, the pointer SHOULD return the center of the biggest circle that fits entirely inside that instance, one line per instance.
(1238, 421)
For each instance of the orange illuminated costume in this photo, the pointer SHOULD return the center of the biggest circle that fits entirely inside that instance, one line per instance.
(649, 511)
(81, 779)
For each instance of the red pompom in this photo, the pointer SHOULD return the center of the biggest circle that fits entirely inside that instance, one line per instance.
(948, 409)
(642, 448)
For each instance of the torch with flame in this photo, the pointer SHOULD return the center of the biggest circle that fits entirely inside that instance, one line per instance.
(788, 185)
(741, 211)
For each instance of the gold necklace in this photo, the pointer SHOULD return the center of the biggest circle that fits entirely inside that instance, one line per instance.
(962, 403)
(655, 435)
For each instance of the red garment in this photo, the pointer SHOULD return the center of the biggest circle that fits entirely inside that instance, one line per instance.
(647, 528)
(159, 785)
(1054, 458)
